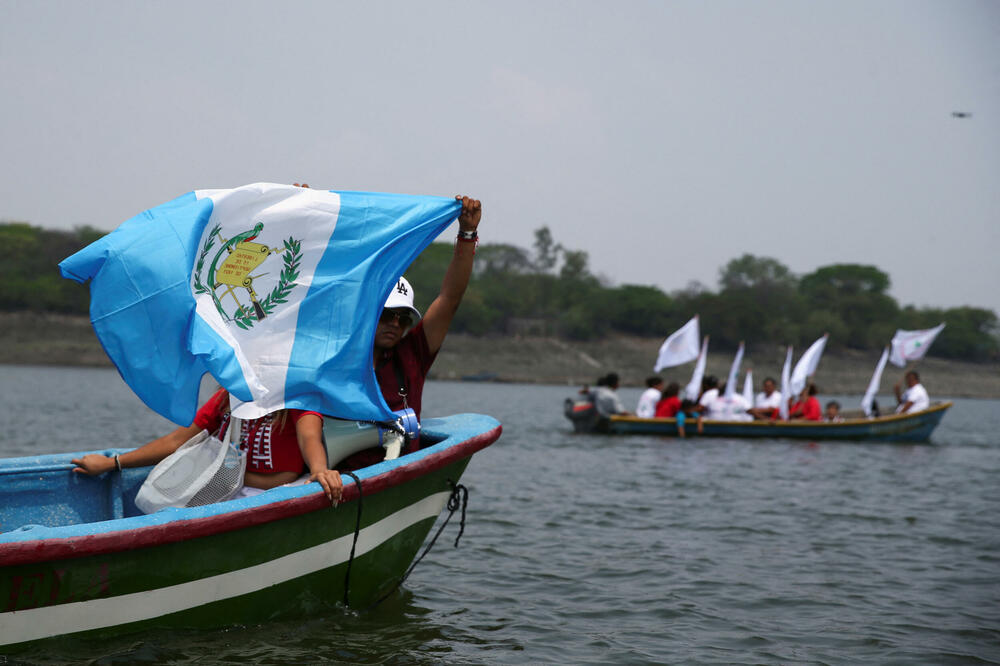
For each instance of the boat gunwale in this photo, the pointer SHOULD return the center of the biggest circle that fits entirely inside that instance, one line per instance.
(180, 528)
(766, 423)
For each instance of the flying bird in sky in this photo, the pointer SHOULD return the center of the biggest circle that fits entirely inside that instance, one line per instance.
(961, 114)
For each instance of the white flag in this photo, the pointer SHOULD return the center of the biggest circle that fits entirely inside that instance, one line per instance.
(785, 372)
(734, 372)
(806, 367)
(681, 347)
(866, 402)
(912, 345)
(693, 389)
(748, 388)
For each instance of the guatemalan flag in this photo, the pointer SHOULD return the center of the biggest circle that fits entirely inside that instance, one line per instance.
(274, 290)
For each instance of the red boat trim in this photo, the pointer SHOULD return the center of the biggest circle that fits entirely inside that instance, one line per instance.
(43, 550)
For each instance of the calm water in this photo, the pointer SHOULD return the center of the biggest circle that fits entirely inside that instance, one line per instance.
(590, 549)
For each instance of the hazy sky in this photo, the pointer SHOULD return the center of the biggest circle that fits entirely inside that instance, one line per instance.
(664, 138)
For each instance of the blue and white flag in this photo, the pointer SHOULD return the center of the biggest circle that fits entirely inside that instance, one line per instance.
(274, 290)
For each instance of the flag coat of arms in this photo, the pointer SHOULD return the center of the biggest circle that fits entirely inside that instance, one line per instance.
(274, 290)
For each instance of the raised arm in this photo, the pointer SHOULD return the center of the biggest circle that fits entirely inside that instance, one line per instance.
(456, 279)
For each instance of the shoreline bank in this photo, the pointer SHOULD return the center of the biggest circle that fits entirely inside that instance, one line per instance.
(50, 339)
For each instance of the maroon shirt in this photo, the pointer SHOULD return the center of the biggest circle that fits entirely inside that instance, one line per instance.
(414, 359)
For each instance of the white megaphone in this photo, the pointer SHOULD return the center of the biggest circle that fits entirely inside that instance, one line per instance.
(345, 438)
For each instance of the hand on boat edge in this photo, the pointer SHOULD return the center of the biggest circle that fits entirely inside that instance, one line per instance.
(93, 464)
(333, 487)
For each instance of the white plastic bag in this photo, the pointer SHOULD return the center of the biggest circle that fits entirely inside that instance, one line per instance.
(203, 470)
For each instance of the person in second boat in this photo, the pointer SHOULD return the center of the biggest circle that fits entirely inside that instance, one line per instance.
(807, 408)
(606, 398)
(650, 397)
(914, 398)
(768, 402)
(670, 403)
(727, 408)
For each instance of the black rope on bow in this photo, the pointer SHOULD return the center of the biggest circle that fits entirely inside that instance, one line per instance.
(459, 498)
(354, 544)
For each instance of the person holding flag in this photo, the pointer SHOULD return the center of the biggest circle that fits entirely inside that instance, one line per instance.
(914, 398)
(405, 344)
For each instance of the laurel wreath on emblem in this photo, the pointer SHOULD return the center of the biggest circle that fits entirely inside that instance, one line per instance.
(244, 318)
(292, 258)
(199, 286)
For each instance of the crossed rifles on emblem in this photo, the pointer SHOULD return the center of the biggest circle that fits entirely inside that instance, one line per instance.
(241, 257)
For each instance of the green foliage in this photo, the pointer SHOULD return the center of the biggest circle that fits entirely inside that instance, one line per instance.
(758, 273)
(546, 250)
(551, 291)
(29, 273)
(857, 294)
(639, 310)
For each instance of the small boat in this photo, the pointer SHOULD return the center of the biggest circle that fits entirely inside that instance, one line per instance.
(910, 427)
(77, 556)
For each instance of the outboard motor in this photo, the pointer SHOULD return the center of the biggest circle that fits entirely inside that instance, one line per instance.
(582, 413)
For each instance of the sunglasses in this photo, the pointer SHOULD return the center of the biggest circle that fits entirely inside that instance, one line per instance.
(388, 316)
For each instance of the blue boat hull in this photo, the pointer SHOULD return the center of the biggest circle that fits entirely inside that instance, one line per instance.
(76, 556)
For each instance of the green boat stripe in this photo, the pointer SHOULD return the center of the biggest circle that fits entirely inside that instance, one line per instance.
(36, 623)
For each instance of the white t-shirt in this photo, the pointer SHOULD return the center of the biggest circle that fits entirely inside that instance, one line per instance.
(722, 408)
(708, 396)
(772, 401)
(647, 403)
(916, 394)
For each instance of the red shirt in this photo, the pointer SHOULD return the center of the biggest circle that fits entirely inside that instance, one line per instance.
(668, 407)
(811, 411)
(414, 359)
(271, 441)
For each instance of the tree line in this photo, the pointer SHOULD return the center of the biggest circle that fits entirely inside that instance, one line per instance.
(550, 290)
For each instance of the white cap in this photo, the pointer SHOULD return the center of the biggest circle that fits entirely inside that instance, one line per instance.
(401, 296)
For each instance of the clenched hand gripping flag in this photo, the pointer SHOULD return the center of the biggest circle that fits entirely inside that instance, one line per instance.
(274, 290)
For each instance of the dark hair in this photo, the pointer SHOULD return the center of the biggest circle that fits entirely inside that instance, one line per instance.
(601, 381)
(686, 404)
(709, 382)
(813, 390)
(611, 379)
(833, 403)
(770, 379)
(653, 381)
(673, 388)
(915, 374)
